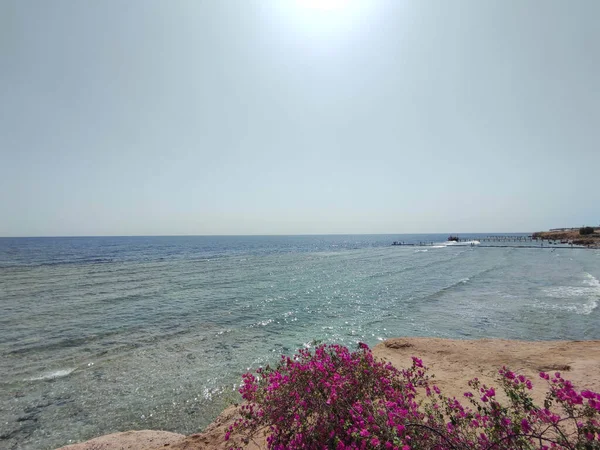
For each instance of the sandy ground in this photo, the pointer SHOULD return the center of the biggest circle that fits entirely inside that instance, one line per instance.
(130, 440)
(453, 362)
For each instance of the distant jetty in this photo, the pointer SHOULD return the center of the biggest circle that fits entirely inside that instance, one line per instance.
(555, 238)
(586, 236)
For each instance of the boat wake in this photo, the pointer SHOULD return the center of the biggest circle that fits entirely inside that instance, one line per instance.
(455, 244)
(462, 243)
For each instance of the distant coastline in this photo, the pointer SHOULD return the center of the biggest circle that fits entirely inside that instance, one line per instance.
(571, 235)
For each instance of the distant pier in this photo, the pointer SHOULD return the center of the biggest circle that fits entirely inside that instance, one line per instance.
(500, 239)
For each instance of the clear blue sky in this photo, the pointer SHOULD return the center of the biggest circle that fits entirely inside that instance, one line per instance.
(286, 117)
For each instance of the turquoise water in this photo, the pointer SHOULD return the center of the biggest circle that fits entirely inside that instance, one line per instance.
(99, 335)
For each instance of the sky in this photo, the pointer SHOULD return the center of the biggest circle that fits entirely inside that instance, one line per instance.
(206, 117)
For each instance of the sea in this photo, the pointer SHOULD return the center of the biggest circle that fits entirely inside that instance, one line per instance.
(107, 334)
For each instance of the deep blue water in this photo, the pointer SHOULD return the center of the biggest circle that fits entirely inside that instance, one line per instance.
(103, 334)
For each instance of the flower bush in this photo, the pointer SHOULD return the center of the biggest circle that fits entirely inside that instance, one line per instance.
(333, 398)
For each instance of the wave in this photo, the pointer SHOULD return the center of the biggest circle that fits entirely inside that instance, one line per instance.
(66, 262)
(415, 267)
(261, 323)
(445, 289)
(50, 345)
(584, 309)
(52, 375)
(590, 294)
(461, 282)
(461, 244)
(591, 280)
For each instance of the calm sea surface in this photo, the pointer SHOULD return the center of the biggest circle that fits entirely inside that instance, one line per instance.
(99, 335)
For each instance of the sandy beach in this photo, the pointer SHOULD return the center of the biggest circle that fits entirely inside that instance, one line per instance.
(453, 362)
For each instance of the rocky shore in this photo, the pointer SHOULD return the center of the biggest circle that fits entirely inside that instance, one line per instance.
(453, 362)
(571, 235)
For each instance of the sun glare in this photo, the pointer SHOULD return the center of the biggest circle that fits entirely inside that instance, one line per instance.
(327, 5)
(324, 20)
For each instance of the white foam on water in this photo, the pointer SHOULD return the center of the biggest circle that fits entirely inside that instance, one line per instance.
(461, 243)
(589, 307)
(454, 244)
(568, 291)
(420, 251)
(591, 280)
(52, 375)
(590, 294)
(583, 309)
(262, 323)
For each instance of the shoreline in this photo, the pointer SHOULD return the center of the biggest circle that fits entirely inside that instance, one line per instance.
(452, 361)
(572, 235)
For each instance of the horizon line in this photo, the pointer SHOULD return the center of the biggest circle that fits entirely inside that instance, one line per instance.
(254, 235)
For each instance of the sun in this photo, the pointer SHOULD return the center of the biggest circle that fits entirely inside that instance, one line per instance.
(325, 21)
(324, 5)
